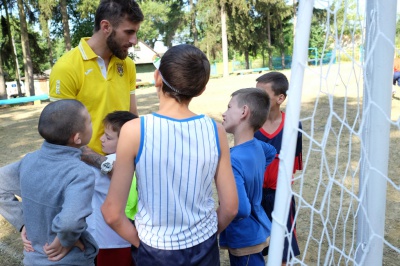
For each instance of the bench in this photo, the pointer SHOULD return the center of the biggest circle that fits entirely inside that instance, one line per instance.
(253, 70)
(260, 69)
(24, 99)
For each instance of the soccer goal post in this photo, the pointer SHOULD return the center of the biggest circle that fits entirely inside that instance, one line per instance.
(348, 193)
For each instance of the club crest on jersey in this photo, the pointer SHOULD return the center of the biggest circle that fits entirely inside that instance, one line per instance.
(120, 69)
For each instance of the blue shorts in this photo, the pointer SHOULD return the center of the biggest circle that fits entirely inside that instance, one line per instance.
(256, 259)
(203, 254)
(396, 78)
(268, 202)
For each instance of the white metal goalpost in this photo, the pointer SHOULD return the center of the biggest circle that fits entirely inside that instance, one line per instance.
(342, 214)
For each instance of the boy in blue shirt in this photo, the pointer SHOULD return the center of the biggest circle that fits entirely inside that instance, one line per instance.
(247, 235)
(275, 84)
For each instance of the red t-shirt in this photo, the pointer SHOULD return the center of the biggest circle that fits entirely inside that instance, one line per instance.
(275, 139)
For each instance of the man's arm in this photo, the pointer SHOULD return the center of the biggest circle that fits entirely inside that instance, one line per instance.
(92, 158)
(133, 105)
(10, 206)
(64, 82)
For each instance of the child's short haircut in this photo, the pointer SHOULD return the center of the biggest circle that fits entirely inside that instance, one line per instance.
(60, 120)
(117, 119)
(185, 71)
(258, 102)
(279, 82)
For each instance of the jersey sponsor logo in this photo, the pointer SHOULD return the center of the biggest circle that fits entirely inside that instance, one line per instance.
(120, 69)
(58, 86)
(88, 71)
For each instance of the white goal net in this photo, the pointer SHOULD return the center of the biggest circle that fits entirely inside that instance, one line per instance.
(348, 193)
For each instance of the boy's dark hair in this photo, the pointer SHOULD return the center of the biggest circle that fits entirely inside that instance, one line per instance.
(279, 82)
(185, 71)
(117, 119)
(116, 11)
(60, 120)
(258, 102)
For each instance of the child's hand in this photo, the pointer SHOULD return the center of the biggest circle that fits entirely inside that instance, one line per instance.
(55, 251)
(27, 244)
(79, 245)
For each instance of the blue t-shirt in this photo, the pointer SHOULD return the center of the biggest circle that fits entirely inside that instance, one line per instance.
(251, 225)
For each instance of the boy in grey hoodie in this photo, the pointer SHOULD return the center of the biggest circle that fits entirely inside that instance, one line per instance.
(57, 189)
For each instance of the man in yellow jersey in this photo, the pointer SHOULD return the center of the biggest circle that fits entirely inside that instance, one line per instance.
(99, 74)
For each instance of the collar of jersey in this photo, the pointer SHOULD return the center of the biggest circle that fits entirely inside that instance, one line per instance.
(86, 52)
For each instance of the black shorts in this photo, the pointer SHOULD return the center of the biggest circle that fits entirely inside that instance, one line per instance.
(203, 254)
(268, 202)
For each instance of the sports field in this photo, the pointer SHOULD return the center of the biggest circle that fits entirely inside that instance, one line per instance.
(18, 130)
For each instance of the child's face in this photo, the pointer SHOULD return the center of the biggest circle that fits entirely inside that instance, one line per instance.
(232, 116)
(109, 140)
(267, 87)
(86, 134)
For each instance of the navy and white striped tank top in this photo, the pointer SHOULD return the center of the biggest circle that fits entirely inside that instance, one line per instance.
(175, 168)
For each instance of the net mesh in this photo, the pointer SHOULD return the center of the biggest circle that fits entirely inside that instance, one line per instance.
(327, 189)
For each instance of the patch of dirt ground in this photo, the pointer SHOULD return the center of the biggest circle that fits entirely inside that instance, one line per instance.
(325, 103)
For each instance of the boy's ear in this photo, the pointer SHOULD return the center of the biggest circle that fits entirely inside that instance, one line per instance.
(76, 139)
(157, 79)
(246, 111)
(281, 98)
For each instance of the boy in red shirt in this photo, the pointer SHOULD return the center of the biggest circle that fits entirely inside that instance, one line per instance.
(276, 85)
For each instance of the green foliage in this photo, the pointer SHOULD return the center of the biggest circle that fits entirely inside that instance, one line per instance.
(257, 29)
(39, 52)
(318, 30)
(174, 23)
(84, 29)
(209, 29)
(58, 48)
(155, 16)
(37, 45)
(340, 24)
(87, 8)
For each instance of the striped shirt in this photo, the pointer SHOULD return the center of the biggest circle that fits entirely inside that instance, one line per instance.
(175, 168)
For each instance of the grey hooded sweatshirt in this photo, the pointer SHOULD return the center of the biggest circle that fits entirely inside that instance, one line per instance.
(57, 189)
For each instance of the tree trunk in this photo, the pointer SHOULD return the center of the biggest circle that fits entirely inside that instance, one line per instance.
(225, 58)
(281, 42)
(246, 59)
(64, 15)
(193, 23)
(28, 66)
(14, 54)
(48, 40)
(3, 92)
(269, 48)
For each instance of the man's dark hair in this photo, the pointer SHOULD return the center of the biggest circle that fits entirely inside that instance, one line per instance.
(116, 11)
(257, 100)
(117, 119)
(186, 69)
(60, 120)
(279, 82)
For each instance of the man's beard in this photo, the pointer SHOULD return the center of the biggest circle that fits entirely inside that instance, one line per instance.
(115, 48)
